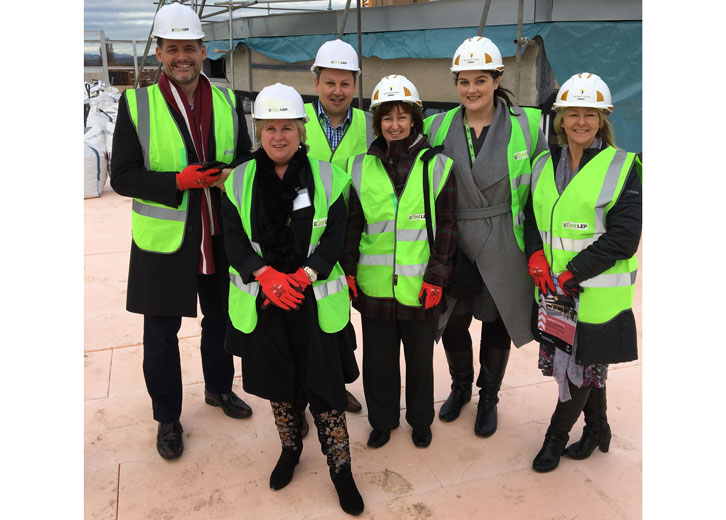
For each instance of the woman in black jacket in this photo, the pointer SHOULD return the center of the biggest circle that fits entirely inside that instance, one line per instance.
(583, 227)
(284, 230)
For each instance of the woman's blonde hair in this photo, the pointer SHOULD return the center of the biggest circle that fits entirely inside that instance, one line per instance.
(606, 132)
(261, 124)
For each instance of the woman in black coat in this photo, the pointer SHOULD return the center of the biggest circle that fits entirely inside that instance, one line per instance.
(583, 227)
(284, 230)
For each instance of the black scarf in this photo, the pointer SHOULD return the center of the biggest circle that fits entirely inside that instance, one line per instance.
(277, 238)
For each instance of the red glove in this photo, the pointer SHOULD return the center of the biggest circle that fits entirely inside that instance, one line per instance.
(433, 295)
(299, 278)
(352, 288)
(193, 176)
(278, 290)
(539, 270)
(568, 284)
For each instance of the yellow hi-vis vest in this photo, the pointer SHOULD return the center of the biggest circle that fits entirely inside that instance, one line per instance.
(331, 293)
(356, 139)
(158, 228)
(570, 222)
(522, 143)
(394, 247)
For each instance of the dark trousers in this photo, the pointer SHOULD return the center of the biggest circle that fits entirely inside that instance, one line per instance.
(162, 367)
(382, 371)
(494, 335)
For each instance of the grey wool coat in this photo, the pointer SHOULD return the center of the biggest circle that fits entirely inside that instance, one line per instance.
(486, 234)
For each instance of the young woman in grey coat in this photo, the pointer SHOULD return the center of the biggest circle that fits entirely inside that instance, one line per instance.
(493, 145)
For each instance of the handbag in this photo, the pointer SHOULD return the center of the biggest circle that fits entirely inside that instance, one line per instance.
(465, 280)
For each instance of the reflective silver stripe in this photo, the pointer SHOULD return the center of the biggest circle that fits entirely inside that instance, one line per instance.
(412, 235)
(519, 219)
(326, 177)
(611, 280)
(384, 226)
(330, 287)
(524, 125)
(519, 180)
(252, 288)
(439, 171)
(235, 119)
(375, 260)
(537, 168)
(546, 236)
(410, 270)
(573, 245)
(609, 186)
(147, 210)
(436, 123)
(238, 182)
(143, 123)
(370, 135)
(356, 173)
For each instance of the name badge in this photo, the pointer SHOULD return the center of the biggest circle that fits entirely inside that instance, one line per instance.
(417, 216)
(302, 200)
(320, 222)
(521, 155)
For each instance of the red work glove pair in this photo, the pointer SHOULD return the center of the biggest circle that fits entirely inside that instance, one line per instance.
(433, 295)
(195, 176)
(352, 288)
(280, 289)
(568, 284)
(539, 270)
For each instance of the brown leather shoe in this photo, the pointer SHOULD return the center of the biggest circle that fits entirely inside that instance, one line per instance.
(231, 405)
(353, 404)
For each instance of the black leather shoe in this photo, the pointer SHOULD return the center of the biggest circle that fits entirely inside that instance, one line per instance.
(378, 438)
(421, 437)
(485, 423)
(232, 405)
(353, 403)
(169, 441)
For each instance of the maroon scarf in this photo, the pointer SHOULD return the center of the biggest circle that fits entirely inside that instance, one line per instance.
(200, 122)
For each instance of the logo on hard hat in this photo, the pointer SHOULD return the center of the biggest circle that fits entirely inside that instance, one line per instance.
(273, 109)
(179, 29)
(339, 62)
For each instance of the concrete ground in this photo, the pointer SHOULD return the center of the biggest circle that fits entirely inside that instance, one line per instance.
(224, 471)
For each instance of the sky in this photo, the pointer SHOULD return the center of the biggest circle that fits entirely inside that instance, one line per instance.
(132, 19)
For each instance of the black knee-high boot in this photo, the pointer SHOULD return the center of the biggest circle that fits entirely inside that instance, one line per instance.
(558, 433)
(596, 433)
(288, 421)
(462, 376)
(494, 363)
(333, 435)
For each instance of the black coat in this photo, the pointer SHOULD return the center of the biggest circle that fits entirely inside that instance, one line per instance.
(616, 340)
(166, 284)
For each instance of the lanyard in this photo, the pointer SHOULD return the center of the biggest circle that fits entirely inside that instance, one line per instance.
(467, 131)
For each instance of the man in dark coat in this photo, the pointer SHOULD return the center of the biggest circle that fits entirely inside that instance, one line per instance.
(164, 281)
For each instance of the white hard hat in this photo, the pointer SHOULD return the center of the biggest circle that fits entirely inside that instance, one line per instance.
(177, 22)
(395, 88)
(279, 101)
(584, 90)
(336, 54)
(477, 53)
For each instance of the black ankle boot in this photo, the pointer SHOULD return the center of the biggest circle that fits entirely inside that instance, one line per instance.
(558, 433)
(289, 422)
(462, 376)
(493, 365)
(596, 433)
(282, 474)
(350, 500)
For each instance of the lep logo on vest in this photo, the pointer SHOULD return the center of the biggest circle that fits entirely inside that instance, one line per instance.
(580, 226)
